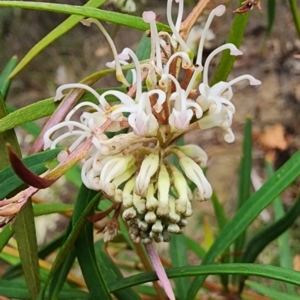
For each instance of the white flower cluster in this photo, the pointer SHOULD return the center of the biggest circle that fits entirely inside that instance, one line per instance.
(134, 168)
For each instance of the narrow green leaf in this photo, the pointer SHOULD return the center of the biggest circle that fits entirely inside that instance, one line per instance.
(270, 292)
(266, 271)
(285, 256)
(16, 270)
(85, 251)
(51, 37)
(8, 136)
(61, 272)
(269, 234)
(195, 247)
(271, 16)
(27, 246)
(112, 272)
(36, 163)
(31, 127)
(4, 81)
(103, 15)
(51, 208)
(236, 37)
(28, 113)
(16, 289)
(248, 212)
(244, 186)
(219, 211)
(178, 255)
(24, 222)
(68, 245)
(295, 14)
(5, 235)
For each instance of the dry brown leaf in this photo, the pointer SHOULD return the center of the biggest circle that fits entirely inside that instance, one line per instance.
(272, 138)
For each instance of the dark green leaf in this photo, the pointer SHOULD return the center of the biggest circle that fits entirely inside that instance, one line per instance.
(244, 186)
(85, 251)
(269, 234)
(17, 289)
(236, 37)
(195, 247)
(248, 212)
(103, 15)
(24, 223)
(271, 15)
(178, 255)
(112, 272)
(295, 14)
(270, 292)
(68, 246)
(4, 81)
(266, 271)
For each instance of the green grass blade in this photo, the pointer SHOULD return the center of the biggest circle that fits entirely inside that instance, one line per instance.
(24, 223)
(16, 289)
(248, 212)
(219, 211)
(52, 36)
(244, 186)
(267, 235)
(295, 14)
(236, 37)
(192, 245)
(271, 16)
(103, 15)
(112, 273)
(68, 245)
(27, 246)
(178, 255)
(270, 292)
(28, 113)
(5, 235)
(16, 270)
(4, 81)
(60, 275)
(285, 256)
(266, 271)
(85, 251)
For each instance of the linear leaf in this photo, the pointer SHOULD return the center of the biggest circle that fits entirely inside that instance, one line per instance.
(236, 37)
(178, 255)
(271, 16)
(4, 81)
(295, 14)
(112, 273)
(270, 292)
(24, 222)
(269, 234)
(85, 251)
(16, 289)
(195, 247)
(68, 245)
(285, 256)
(244, 185)
(51, 37)
(266, 271)
(103, 15)
(248, 212)
(16, 270)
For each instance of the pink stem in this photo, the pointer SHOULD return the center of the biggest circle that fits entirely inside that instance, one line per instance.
(160, 271)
